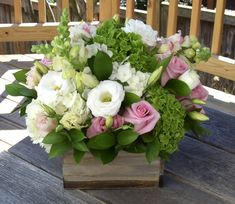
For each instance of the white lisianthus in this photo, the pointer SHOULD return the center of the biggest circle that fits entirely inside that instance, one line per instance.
(33, 77)
(56, 92)
(105, 99)
(94, 48)
(38, 124)
(124, 72)
(191, 78)
(113, 76)
(149, 36)
(77, 114)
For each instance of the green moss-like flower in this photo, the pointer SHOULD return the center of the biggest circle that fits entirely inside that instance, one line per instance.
(126, 45)
(170, 127)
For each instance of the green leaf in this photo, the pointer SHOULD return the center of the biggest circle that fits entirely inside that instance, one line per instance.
(24, 104)
(136, 148)
(20, 76)
(147, 137)
(81, 146)
(152, 151)
(198, 116)
(130, 98)
(103, 66)
(55, 137)
(126, 137)
(105, 156)
(76, 135)
(178, 87)
(20, 90)
(78, 155)
(102, 141)
(59, 149)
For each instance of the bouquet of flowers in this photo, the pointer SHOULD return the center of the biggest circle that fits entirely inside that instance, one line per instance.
(113, 87)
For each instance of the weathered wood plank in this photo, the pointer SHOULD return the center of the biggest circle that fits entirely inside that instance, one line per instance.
(105, 10)
(125, 171)
(218, 67)
(208, 168)
(18, 11)
(23, 183)
(17, 60)
(172, 17)
(222, 130)
(173, 192)
(195, 18)
(153, 14)
(130, 6)
(37, 156)
(42, 11)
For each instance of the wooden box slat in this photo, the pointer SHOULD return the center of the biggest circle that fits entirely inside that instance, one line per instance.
(127, 170)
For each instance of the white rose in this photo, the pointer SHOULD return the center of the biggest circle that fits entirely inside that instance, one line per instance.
(124, 72)
(149, 36)
(105, 99)
(191, 78)
(56, 92)
(38, 124)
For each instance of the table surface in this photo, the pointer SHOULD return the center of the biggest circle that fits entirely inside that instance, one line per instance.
(202, 171)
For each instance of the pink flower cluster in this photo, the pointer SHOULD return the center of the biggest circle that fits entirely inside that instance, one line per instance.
(175, 69)
(142, 115)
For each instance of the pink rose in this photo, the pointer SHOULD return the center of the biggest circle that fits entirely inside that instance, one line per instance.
(118, 121)
(142, 115)
(45, 124)
(199, 93)
(33, 77)
(98, 125)
(176, 67)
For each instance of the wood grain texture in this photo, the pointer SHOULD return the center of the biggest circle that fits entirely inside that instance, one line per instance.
(173, 192)
(18, 11)
(37, 156)
(172, 17)
(125, 171)
(115, 7)
(195, 18)
(23, 183)
(42, 11)
(218, 27)
(222, 127)
(130, 6)
(153, 14)
(105, 10)
(217, 67)
(208, 168)
(89, 10)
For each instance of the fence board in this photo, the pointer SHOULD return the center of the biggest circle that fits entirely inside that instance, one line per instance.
(218, 27)
(105, 9)
(195, 17)
(115, 7)
(89, 10)
(130, 6)
(172, 17)
(153, 13)
(18, 11)
(42, 11)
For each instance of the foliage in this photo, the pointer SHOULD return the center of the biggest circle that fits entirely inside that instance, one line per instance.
(125, 45)
(170, 128)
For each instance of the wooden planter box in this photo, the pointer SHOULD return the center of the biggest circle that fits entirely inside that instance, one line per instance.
(127, 170)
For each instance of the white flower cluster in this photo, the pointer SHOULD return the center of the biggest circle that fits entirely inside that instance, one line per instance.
(82, 32)
(134, 81)
(149, 36)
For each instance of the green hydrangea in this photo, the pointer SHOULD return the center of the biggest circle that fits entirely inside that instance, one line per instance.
(125, 45)
(170, 127)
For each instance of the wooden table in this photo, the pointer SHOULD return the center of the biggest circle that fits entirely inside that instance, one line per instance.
(202, 171)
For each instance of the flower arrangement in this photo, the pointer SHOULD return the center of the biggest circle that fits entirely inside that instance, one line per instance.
(113, 87)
